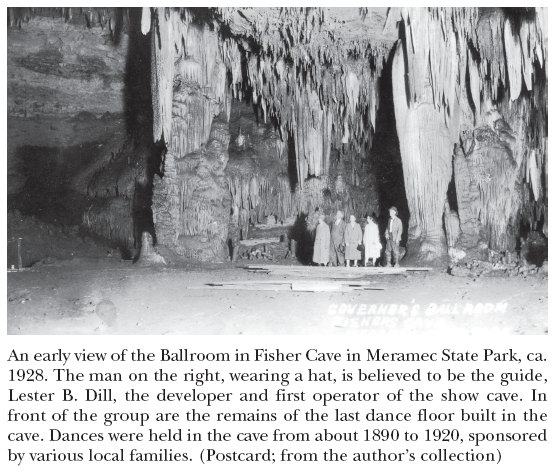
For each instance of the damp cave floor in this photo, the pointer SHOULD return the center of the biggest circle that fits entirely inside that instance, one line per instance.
(154, 301)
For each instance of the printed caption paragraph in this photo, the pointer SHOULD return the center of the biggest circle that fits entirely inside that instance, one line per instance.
(262, 406)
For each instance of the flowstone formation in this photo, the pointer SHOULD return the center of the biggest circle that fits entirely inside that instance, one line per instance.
(470, 105)
(191, 203)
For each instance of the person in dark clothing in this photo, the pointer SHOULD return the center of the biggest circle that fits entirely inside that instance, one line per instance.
(234, 233)
(393, 234)
(337, 248)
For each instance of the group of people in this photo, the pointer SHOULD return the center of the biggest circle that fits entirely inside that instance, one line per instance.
(345, 243)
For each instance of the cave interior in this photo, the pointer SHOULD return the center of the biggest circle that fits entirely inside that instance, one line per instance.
(123, 121)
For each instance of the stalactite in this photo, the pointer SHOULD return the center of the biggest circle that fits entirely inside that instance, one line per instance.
(514, 60)
(534, 174)
(145, 20)
(162, 73)
(527, 54)
(184, 119)
(352, 90)
(474, 84)
(321, 105)
(312, 132)
(258, 195)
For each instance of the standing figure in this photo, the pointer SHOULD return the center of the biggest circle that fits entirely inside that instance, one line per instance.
(353, 238)
(234, 233)
(393, 237)
(372, 244)
(321, 253)
(337, 244)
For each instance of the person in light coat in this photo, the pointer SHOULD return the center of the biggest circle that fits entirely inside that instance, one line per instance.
(321, 253)
(353, 238)
(371, 240)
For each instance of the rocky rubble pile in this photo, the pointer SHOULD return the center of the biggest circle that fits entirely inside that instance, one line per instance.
(477, 268)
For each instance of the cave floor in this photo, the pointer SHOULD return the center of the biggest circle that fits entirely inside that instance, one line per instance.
(61, 300)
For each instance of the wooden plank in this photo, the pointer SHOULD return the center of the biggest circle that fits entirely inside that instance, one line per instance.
(326, 274)
(333, 268)
(259, 241)
(262, 288)
(241, 288)
(321, 277)
(303, 281)
(298, 288)
(296, 271)
(354, 271)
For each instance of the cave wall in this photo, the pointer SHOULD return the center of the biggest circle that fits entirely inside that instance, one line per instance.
(65, 88)
(80, 146)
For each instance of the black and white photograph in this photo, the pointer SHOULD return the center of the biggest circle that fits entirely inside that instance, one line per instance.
(331, 171)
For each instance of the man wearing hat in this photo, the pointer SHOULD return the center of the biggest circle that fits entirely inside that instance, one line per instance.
(393, 237)
(337, 250)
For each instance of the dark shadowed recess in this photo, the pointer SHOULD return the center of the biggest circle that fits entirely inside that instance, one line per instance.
(139, 116)
(47, 172)
(304, 238)
(386, 157)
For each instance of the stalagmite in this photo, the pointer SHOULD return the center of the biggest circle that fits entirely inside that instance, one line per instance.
(426, 150)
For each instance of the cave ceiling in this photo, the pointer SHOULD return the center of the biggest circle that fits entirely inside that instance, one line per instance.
(345, 25)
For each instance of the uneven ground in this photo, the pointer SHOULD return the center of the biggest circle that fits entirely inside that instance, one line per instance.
(68, 273)
(61, 299)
